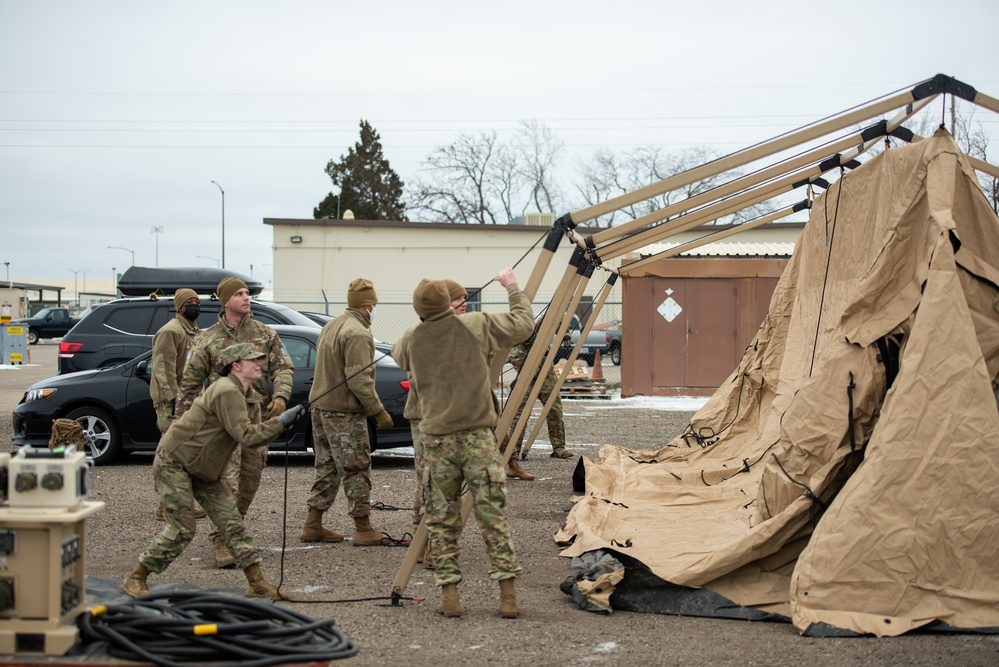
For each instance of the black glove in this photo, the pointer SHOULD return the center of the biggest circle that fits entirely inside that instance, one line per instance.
(289, 416)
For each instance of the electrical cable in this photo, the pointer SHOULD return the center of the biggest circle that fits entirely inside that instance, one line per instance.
(388, 540)
(174, 628)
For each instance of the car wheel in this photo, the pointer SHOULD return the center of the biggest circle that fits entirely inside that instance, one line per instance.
(100, 433)
(32, 337)
(616, 355)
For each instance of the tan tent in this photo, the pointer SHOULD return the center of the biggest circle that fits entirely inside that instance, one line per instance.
(845, 476)
(847, 473)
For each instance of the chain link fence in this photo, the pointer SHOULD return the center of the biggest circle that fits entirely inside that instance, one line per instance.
(393, 318)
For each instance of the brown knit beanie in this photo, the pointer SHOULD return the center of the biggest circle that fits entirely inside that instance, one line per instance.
(228, 287)
(182, 295)
(455, 290)
(431, 299)
(361, 293)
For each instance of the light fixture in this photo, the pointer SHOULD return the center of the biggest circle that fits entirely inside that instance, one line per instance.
(296, 239)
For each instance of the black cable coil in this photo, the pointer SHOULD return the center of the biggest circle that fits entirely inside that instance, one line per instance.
(177, 627)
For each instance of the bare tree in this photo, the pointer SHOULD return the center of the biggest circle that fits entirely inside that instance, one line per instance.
(459, 182)
(607, 175)
(477, 179)
(971, 136)
(539, 149)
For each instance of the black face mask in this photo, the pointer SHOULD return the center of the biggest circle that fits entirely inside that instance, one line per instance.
(191, 311)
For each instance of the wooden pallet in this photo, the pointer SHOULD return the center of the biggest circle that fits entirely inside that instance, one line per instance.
(585, 389)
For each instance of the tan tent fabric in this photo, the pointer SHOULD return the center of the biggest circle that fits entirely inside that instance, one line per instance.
(767, 500)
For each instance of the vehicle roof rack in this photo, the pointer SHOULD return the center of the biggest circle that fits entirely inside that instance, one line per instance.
(146, 280)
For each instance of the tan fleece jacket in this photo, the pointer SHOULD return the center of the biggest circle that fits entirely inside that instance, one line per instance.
(345, 374)
(448, 359)
(220, 419)
(170, 347)
(412, 409)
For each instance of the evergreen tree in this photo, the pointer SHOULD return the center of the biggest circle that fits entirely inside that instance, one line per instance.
(368, 185)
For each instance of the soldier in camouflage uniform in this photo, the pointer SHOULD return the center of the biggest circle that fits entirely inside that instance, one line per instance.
(556, 427)
(236, 325)
(448, 357)
(170, 347)
(342, 397)
(459, 303)
(189, 462)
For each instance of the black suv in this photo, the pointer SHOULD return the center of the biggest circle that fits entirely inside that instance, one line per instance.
(120, 330)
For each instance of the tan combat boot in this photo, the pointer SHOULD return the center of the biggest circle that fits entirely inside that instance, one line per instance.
(508, 599)
(450, 606)
(313, 531)
(561, 453)
(135, 583)
(366, 536)
(514, 471)
(223, 559)
(259, 587)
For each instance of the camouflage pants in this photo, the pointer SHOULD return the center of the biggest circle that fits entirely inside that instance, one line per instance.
(420, 463)
(556, 425)
(343, 456)
(471, 457)
(241, 477)
(178, 490)
(164, 416)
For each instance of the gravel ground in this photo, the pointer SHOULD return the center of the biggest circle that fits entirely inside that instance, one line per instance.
(551, 629)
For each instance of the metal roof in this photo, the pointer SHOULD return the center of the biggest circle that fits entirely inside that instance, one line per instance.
(725, 249)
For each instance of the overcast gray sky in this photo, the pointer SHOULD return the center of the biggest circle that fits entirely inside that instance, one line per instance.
(116, 116)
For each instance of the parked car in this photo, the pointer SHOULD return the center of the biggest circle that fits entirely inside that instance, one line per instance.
(613, 347)
(124, 328)
(47, 323)
(116, 412)
(318, 318)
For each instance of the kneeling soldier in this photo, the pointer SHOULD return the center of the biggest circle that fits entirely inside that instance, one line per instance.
(189, 463)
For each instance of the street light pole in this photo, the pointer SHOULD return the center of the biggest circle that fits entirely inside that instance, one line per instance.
(114, 275)
(223, 222)
(7, 265)
(76, 291)
(118, 247)
(157, 231)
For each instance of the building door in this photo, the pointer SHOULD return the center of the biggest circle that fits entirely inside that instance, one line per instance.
(693, 331)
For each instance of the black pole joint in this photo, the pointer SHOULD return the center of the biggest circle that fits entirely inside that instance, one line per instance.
(942, 83)
(558, 230)
(801, 206)
(578, 254)
(875, 131)
(831, 163)
(903, 133)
